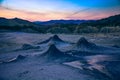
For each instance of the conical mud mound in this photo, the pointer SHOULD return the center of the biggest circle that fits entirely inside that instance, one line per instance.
(84, 46)
(82, 40)
(53, 39)
(19, 57)
(56, 38)
(83, 43)
(54, 54)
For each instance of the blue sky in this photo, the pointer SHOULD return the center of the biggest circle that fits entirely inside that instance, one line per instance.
(59, 9)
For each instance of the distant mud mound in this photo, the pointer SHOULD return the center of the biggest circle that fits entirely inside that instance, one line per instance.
(27, 47)
(54, 54)
(116, 46)
(18, 58)
(83, 43)
(54, 40)
(84, 46)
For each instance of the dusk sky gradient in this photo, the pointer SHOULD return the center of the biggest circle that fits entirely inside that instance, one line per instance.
(44, 10)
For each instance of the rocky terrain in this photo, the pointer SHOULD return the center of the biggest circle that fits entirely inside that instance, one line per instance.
(32, 56)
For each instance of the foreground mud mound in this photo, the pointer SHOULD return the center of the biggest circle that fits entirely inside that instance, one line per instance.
(54, 54)
(87, 47)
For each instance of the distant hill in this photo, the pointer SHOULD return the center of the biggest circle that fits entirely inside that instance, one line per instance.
(52, 22)
(110, 21)
(110, 24)
(18, 24)
(15, 22)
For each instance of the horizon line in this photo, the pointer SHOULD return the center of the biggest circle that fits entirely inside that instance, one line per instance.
(55, 19)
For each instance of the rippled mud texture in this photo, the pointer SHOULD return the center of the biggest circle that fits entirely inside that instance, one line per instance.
(28, 56)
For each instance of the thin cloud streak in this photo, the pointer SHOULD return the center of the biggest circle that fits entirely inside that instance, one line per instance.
(29, 12)
(11, 13)
(32, 16)
(77, 12)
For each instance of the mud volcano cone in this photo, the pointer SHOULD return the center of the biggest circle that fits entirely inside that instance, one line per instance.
(84, 46)
(54, 54)
(56, 38)
(20, 57)
(52, 39)
(83, 43)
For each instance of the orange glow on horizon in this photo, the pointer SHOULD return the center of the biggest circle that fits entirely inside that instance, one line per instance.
(36, 16)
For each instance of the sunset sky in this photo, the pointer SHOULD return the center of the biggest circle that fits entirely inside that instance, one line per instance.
(44, 10)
